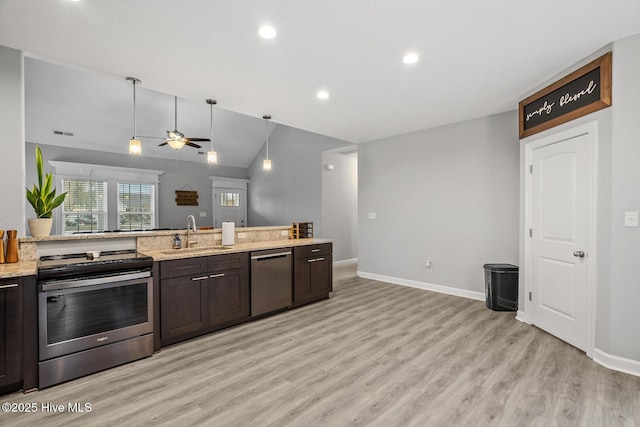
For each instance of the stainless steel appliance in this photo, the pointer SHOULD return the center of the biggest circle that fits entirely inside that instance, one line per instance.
(93, 313)
(271, 280)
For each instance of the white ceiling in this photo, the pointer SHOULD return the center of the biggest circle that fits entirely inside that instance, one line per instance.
(476, 57)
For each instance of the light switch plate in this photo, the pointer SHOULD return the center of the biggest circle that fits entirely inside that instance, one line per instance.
(203, 214)
(631, 219)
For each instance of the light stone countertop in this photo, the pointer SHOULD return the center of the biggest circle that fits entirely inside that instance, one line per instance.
(128, 234)
(171, 254)
(18, 269)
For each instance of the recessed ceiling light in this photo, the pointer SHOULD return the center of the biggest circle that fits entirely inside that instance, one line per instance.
(267, 32)
(323, 94)
(410, 58)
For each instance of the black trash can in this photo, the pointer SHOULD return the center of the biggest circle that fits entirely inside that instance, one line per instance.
(501, 286)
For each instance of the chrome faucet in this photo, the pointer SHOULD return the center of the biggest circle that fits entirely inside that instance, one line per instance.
(191, 228)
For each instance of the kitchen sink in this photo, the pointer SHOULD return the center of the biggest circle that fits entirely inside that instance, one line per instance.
(197, 249)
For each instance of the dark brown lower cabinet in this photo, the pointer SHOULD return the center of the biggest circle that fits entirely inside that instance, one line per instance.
(312, 273)
(228, 293)
(10, 334)
(183, 306)
(216, 297)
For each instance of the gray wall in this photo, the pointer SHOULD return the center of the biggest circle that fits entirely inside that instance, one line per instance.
(292, 191)
(177, 175)
(618, 175)
(340, 204)
(625, 196)
(12, 192)
(448, 194)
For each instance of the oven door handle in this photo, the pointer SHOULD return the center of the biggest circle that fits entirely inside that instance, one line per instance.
(70, 284)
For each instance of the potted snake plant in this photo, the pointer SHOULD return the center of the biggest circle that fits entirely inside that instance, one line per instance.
(43, 199)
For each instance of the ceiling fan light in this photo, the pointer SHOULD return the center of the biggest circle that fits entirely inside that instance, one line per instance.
(212, 157)
(176, 144)
(266, 164)
(135, 147)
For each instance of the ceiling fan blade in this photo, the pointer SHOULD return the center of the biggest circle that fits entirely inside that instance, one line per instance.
(164, 143)
(151, 137)
(198, 139)
(191, 144)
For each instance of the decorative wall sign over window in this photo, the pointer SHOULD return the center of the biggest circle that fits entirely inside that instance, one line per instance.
(186, 198)
(584, 91)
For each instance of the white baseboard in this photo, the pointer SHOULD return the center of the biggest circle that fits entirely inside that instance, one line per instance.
(520, 315)
(345, 261)
(422, 285)
(617, 363)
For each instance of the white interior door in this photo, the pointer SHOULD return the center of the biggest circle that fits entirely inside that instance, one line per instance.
(561, 207)
(229, 205)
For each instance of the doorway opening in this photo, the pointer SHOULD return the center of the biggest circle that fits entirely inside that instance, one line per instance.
(229, 197)
(340, 202)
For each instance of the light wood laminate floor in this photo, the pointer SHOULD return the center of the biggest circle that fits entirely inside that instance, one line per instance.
(375, 354)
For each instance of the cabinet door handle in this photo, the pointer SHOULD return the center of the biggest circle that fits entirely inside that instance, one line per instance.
(199, 278)
(213, 276)
(13, 285)
(312, 260)
(320, 259)
(315, 250)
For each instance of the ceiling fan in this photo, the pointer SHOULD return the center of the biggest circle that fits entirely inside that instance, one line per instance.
(176, 139)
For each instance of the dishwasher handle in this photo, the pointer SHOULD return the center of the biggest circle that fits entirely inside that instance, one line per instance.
(270, 256)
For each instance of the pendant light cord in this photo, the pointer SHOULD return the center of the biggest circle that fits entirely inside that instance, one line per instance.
(266, 133)
(211, 105)
(135, 128)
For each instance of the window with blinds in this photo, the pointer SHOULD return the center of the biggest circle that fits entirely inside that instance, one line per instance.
(135, 206)
(85, 207)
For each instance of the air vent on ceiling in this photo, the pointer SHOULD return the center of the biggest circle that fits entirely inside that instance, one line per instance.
(62, 133)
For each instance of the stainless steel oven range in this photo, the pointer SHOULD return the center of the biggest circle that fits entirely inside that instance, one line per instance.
(93, 314)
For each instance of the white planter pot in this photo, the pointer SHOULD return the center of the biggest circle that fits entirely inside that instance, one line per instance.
(40, 227)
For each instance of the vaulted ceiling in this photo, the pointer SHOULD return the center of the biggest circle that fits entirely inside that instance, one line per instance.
(476, 57)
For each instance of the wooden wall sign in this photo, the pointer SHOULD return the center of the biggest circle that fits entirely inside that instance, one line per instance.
(584, 91)
(186, 198)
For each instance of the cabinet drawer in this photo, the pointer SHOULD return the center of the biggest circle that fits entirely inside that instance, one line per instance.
(228, 261)
(183, 267)
(312, 250)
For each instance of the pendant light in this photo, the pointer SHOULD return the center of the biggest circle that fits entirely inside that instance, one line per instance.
(135, 145)
(266, 163)
(212, 156)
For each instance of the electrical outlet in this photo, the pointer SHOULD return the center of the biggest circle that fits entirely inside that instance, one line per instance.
(284, 233)
(372, 215)
(242, 235)
(631, 219)
(427, 264)
(203, 214)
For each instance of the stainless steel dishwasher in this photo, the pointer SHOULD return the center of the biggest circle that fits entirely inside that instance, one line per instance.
(271, 280)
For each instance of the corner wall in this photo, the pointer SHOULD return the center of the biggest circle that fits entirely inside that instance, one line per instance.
(12, 192)
(448, 194)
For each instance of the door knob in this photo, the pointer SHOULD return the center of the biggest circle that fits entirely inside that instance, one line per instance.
(579, 254)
